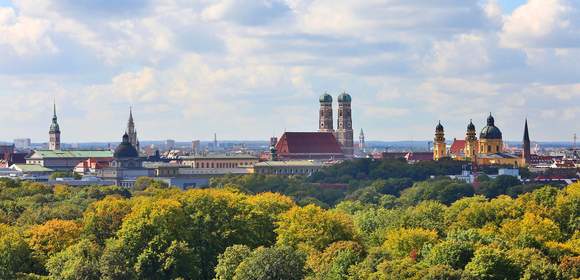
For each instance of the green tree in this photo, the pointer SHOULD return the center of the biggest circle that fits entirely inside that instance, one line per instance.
(230, 260)
(442, 189)
(103, 218)
(272, 264)
(402, 242)
(142, 183)
(491, 264)
(313, 227)
(78, 262)
(451, 253)
(15, 255)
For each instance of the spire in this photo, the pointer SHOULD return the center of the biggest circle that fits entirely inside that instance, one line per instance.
(54, 109)
(526, 133)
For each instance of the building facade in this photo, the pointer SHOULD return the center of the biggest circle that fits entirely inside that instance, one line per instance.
(65, 160)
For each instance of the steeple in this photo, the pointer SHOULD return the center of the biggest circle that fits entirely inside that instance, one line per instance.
(361, 141)
(54, 131)
(526, 145)
(131, 132)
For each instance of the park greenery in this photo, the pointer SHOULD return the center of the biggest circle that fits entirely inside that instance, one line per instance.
(383, 224)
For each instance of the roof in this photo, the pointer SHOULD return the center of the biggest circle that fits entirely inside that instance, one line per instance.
(290, 163)
(457, 147)
(30, 168)
(497, 155)
(308, 143)
(41, 154)
(219, 156)
(125, 149)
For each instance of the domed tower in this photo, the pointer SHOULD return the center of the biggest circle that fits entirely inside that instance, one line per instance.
(344, 133)
(439, 146)
(325, 121)
(470, 141)
(490, 138)
(54, 132)
(125, 155)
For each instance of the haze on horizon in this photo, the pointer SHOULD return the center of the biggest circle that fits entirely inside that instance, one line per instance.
(251, 69)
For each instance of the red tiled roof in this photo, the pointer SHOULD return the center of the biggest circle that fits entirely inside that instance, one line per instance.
(308, 143)
(457, 147)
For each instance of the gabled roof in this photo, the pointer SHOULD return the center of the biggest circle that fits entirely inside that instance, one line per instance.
(30, 168)
(457, 147)
(308, 143)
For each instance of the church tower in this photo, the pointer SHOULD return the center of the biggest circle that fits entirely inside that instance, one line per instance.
(325, 121)
(361, 141)
(344, 133)
(439, 146)
(470, 141)
(54, 132)
(526, 145)
(131, 132)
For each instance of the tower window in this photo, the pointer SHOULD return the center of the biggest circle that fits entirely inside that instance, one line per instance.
(488, 148)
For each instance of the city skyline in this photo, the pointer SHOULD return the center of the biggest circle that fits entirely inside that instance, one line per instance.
(252, 70)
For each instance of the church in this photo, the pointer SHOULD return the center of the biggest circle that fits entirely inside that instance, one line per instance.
(487, 150)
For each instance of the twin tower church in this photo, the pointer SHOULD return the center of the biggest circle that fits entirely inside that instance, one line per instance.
(487, 150)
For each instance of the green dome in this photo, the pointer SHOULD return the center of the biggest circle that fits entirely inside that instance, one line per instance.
(470, 126)
(326, 98)
(344, 97)
(439, 127)
(490, 131)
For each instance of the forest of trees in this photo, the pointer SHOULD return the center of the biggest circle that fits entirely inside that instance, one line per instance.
(391, 226)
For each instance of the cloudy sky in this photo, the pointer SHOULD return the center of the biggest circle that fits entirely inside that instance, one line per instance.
(247, 69)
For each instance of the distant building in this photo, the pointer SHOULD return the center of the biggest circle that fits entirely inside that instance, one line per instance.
(169, 144)
(54, 132)
(218, 161)
(126, 165)
(6, 152)
(487, 150)
(65, 160)
(22, 144)
(309, 145)
(325, 123)
(361, 142)
(195, 146)
(33, 172)
(292, 167)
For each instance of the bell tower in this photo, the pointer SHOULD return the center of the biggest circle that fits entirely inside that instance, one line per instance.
(439, 146)
(526, 155)
(131, 132)
(470, 141)
(325, 120)
(344, 133)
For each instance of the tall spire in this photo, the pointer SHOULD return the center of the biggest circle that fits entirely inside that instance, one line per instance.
(526, 154)
(54, 131)
(130, 131)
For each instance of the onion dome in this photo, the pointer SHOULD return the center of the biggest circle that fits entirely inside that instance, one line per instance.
(470, 126)
(326, 98)
(439, 127)
(490, 131)
(344, 98)
(125, 149)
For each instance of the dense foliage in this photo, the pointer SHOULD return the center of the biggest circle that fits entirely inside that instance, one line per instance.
(390, 229)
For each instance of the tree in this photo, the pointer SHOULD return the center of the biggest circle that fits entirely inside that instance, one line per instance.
(230, 260)
(143, 183)
(497, 186)
(491, 264)
(451, 253)
(103, 218)
(313, 227)
(335, 261)
(15, 255)
(402, 242)
(272, 264)
(52, 237)
(442, 189)
(79, 261)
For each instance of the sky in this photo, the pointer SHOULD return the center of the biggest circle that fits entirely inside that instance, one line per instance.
(251, 69)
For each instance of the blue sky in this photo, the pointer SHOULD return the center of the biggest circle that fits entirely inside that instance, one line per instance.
(250, 69)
